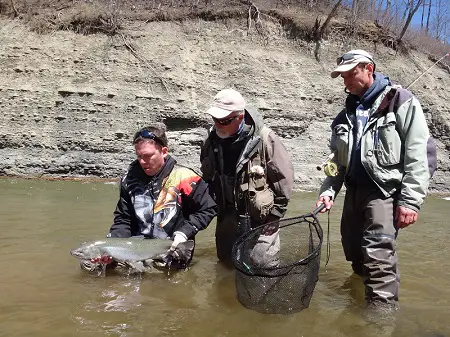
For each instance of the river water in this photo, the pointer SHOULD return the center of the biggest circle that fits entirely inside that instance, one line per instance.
(43, 292)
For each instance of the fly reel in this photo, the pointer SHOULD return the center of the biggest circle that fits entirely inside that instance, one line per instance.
(329, 167)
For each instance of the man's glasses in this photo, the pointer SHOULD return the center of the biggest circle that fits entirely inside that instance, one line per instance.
(350, 56)
(225, 122)
(148, 135)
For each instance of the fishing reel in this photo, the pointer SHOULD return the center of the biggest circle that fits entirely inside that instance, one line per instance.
(329, 167)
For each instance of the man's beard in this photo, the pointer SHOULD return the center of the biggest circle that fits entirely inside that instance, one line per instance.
(222, 134)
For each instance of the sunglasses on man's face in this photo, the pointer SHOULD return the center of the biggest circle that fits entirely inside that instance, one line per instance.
(350, 56)
(225, 122)
(148, 135)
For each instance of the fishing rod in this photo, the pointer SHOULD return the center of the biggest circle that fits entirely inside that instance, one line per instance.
(427, 70)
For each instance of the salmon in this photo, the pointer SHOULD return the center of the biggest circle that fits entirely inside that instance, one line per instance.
(136, 253)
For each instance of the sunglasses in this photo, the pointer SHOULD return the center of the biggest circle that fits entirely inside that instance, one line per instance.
(148, 135)
(225, 122)
(350, 56)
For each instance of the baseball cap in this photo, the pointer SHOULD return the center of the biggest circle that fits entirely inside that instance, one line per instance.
(350, 60)
(225, 102)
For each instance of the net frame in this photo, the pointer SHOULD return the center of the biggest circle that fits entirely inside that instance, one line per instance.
(257, 287)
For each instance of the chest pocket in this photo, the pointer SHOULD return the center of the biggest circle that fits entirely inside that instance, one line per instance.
(387, 141)
(340, 140)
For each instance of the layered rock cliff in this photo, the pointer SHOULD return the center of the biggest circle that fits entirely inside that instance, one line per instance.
(70, 103)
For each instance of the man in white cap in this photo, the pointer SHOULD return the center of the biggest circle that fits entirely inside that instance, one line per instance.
(250, 175)
(385, 158)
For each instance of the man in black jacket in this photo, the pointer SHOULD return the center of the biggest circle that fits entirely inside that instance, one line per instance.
(158, 197)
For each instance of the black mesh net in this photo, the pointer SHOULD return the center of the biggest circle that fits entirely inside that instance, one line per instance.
(277, 274)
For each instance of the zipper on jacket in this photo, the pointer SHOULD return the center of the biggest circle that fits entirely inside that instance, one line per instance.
(375, 139)
(218, 151)
(152, 194)
(350, 141)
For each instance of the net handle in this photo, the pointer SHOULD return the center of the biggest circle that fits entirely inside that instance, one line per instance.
(318, 209)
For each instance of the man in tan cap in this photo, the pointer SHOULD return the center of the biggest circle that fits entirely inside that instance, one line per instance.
(385, 158)
(250, 175)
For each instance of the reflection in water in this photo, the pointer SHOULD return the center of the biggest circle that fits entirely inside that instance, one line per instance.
(110, 304)
(353, 287)
(44, 293)
(116, 301)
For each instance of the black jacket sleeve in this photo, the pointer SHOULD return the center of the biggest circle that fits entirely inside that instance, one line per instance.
(199, 208)
(123, 215)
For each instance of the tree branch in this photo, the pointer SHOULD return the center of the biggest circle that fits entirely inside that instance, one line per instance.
(16, 12)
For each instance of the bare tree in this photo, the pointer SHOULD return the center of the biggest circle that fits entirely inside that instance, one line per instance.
(423, 13)
(373, 6)
(428, 16)
(354, 16)
(320, 30)
(387, 9)
(362, 9)
(440, 19)
(409, 4)
(414, 6)
(13, 6)
(380, 6)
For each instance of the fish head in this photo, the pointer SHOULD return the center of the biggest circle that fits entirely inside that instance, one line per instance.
(87, 251)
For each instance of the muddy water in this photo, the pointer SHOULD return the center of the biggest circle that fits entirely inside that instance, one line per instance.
(44, 293)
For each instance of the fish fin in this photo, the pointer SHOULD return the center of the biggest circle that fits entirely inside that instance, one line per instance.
(90, 266)
(137, 266)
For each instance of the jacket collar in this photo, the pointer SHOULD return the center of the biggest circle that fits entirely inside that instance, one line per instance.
(137, 170)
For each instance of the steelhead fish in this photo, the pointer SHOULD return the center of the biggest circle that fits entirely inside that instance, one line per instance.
(137, 253)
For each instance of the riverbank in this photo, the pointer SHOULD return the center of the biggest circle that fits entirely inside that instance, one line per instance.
(70, 103)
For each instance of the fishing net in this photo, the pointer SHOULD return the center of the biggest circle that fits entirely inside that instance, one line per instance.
(277, 274)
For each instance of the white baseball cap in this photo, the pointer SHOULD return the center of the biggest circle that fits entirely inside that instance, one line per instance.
(226, 102)
(350, 60)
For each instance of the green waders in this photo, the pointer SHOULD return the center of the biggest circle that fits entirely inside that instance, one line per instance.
(369, 241)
